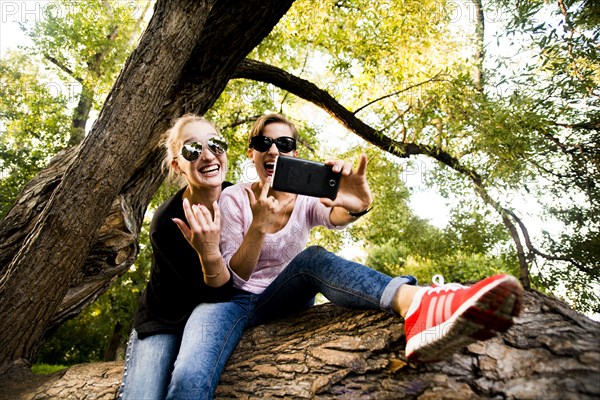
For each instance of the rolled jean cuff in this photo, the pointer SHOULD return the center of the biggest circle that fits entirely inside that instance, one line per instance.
(387, 296)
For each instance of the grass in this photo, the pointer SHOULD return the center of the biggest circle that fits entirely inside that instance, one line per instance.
(41, 369)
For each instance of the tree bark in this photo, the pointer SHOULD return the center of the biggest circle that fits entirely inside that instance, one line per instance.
(205, 40)
(112, 350)
(116, 245)
(331, 353)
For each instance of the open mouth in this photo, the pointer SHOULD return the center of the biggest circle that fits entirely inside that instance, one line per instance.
(210, 170)
(269, 167)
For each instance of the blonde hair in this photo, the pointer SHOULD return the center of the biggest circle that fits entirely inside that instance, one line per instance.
(259, 125)
(172, 143)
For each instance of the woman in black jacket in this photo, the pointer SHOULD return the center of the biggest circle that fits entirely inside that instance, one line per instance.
(188, 268)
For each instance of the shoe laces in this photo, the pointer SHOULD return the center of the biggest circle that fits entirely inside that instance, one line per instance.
(440, 286)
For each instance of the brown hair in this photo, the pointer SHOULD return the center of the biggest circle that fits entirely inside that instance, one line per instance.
(267, 119)
(172, 143)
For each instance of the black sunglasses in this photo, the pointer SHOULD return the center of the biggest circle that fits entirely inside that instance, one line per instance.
(284, 144)
(191, 151)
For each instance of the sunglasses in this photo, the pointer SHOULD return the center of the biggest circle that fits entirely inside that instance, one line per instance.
(284, 144)
(191, 151)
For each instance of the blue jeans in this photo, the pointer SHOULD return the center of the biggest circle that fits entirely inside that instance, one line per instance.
(148, 366)
(213, 330)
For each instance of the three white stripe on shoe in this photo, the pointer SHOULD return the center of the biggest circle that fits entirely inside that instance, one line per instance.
(439, 310)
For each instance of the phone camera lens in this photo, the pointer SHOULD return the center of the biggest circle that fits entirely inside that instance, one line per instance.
(332, 182)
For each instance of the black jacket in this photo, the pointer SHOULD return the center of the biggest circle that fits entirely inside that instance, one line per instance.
(176, 284)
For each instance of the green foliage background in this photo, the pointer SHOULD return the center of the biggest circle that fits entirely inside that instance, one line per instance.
(530, 129)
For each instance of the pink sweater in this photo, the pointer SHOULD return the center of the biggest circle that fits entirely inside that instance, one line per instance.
(279, 248)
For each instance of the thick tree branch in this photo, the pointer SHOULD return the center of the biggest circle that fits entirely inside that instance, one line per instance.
(331, 353)
(258, 71)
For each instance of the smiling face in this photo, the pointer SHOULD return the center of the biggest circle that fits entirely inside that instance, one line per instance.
(264, 162)
(209, 169)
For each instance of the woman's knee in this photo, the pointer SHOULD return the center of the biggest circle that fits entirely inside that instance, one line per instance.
(314, 252)
(315, 249)
(306, 259)
(313, 261)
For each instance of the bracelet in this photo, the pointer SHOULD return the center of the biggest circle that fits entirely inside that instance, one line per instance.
(359, 214)
(217, 274)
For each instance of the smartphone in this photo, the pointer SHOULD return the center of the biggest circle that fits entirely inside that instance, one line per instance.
(310, 178)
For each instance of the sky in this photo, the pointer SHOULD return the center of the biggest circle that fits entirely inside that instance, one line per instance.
(13, 12)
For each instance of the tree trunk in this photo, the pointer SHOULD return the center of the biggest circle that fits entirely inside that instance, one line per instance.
(112, 350)
(37, 278)
(116, 245)
(203, 40)
(81, 115)
(327, 352)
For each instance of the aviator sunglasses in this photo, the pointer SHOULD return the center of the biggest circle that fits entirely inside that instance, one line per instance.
(284, 144)
(191, 151)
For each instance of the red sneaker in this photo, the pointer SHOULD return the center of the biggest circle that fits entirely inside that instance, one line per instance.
(445, 318)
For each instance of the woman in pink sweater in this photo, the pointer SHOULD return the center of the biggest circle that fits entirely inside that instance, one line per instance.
(263, 236)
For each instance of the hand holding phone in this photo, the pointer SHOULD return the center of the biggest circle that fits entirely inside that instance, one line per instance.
(310, 178)
(354, 193)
